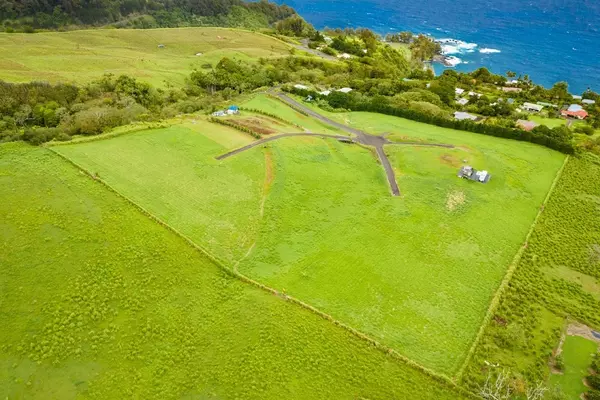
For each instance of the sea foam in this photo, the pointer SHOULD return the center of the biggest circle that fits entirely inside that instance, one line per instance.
(486, 50)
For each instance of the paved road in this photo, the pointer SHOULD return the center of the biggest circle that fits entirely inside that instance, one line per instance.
(362, 137)
(378, 142)
(304, 47)
(271, 138)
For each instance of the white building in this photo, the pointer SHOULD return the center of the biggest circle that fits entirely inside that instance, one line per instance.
(344, 55)
(532, 107)
(462, 101)
(459, 91)
(301, 87)
(459, 115)
(325, 92)
(345, 90)
(588, 101)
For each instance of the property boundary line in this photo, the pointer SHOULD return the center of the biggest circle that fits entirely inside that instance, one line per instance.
(441, 378)
(110, 135)
(507, 278)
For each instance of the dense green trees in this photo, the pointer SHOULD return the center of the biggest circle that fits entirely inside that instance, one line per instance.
(424, 48)
(50, 14)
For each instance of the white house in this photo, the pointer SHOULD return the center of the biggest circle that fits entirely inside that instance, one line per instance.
(325, 92)
(344, 55)
(532, 107)
(301, 87)
(345, 90)
(459, 91)
(475, 94)
(462, 101)
(588, 101)
(463, 116)
(576, 97)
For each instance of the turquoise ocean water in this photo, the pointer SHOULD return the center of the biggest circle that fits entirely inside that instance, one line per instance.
(550, 40)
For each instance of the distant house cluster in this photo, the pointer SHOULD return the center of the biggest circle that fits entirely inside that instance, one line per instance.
(232, 110)
(324, 92)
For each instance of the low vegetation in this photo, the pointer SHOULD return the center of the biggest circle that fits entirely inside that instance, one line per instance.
(148, 316)
(553, 282)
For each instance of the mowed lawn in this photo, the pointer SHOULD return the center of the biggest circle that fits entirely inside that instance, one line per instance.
(317, 221)
(81, 56)
(97, 301)
(577, 353)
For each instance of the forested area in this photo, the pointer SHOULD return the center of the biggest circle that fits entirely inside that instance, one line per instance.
(27, 15)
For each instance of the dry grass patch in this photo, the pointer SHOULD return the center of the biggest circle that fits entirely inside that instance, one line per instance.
(455, 199)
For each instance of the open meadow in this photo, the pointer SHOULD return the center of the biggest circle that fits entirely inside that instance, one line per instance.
(82, 56)
(313, 218)
(99, 301)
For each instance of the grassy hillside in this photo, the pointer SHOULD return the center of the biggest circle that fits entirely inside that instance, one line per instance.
(81, 56)
(314, 218)
(148, 316)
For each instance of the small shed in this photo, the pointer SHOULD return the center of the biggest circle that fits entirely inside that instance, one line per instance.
(301, 87)
(462, 101)
(161, 46)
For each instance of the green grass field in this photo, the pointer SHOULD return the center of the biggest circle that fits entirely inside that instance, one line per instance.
(549, 122)
(577, 354)
(100, 302)
(314, 218)
(81, 56)
(274, 106)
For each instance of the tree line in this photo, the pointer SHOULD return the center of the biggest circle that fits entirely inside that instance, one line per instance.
(27, 15)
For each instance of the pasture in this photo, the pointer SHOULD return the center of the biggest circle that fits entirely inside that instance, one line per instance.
(82, 56)
(98, 301)
(577, 353)
(313, 218)
(274, 106)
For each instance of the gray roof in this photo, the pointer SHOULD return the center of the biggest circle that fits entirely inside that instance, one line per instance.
(460, 115)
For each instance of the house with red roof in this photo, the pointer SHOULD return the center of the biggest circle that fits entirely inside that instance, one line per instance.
(574, 111)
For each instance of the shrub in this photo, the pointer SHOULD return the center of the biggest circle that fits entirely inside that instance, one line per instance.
(594, 381)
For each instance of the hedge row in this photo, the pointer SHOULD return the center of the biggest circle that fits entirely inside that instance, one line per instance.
(347, 101)
(233, 125)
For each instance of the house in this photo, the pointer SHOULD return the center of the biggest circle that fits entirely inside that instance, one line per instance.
(588, 101)
(232, 110)
(513, 82)
(344, 55)
(475, 94)
(532, 107)
(526, 125)
(161, 46)
(459, 91)
(308, 99)
(541, 103)
(461, 116)
(511, 89)
(345, 90)
(325, 92)
(574, 111)
(576, 97)
(470, 173)
(462, 101)
(219, 113)
(510, 101)
(301, 87)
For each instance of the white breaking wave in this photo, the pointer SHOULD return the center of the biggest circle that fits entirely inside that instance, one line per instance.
(453, 61)
(454, 46)
(489, 51)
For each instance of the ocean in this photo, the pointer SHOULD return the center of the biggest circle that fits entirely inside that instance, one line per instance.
(549, 40)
